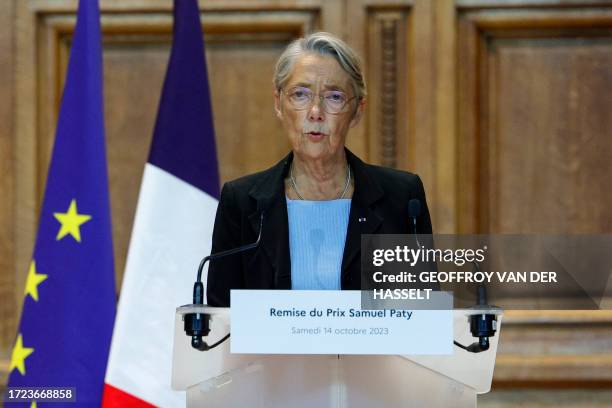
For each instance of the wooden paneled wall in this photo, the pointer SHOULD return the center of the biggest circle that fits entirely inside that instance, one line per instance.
(534, 101)
(534, 92)
(501, 106)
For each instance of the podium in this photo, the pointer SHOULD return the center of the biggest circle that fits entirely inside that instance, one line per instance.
(217, 378)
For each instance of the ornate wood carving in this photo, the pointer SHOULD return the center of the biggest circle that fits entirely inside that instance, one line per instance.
(388, 104)
(386, 50)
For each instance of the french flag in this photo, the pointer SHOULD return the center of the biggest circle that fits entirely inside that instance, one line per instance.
(172, 228)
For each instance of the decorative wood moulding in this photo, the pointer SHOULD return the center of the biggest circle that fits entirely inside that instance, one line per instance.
(527, 4)
(548, 15)
(152, 6)
(213, 23)
(555, 349)
(568, 351)
(550, 317)
(234, 22)
(386, 57)
(125, 17)
(388, 104)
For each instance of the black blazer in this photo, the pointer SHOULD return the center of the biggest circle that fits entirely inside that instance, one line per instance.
(379, 206)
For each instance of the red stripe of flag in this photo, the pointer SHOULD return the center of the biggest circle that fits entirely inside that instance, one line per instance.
(115, 398)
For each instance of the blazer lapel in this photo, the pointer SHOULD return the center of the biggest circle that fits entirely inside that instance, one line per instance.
(362, 218)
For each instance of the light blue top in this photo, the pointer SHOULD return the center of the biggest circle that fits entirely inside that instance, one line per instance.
(317, 234)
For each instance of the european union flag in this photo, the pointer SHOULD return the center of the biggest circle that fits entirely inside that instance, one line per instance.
(69, 299)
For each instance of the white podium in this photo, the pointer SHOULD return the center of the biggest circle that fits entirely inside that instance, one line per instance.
(217, 378)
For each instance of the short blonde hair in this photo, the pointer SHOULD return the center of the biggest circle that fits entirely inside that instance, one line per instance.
(321, 43)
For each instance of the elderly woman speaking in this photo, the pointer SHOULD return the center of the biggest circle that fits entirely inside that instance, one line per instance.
(313, 206)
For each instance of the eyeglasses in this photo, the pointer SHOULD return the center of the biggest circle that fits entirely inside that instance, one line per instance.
(333, 102)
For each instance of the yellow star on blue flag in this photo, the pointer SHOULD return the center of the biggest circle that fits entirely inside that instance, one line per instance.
(20, 353)
(34, 279)
(71, 222)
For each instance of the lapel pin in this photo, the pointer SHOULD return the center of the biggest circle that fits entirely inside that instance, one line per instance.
(362, 219)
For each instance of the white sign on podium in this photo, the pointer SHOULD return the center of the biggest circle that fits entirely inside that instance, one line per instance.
(332, 322)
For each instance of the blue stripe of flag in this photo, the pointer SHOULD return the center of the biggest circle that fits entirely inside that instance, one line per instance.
(184, 138)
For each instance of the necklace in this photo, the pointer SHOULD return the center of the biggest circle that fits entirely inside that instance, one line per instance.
(346, 185)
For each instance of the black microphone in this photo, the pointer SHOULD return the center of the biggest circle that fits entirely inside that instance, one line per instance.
(197, 325)
(482, 325)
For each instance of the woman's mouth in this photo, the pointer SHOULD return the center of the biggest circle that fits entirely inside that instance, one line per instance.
(315, 136)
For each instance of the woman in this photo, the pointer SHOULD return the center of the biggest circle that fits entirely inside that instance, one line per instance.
(319, 199)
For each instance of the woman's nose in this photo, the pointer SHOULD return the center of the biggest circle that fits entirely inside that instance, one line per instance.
(315, 113)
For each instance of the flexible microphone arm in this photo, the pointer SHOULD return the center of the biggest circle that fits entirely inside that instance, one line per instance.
(197, 325)
(232, 251)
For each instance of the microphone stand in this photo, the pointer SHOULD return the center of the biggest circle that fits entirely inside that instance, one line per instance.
(482, 325)
(197, 325)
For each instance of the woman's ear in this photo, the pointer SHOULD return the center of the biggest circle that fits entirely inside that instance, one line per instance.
(277, 104)
(358, 112)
